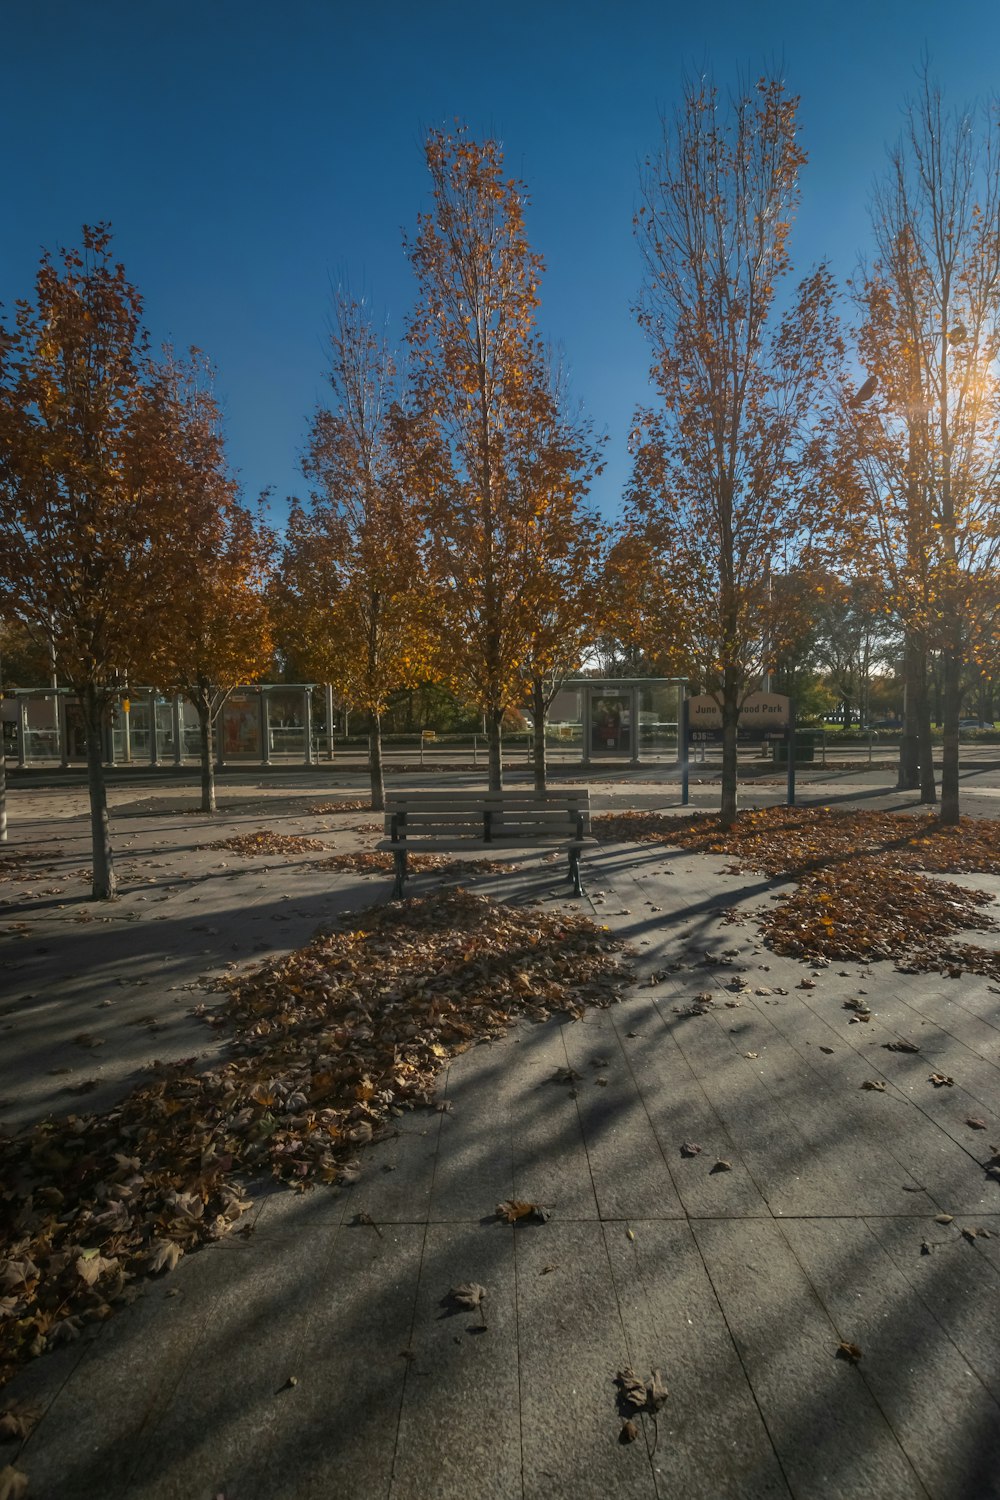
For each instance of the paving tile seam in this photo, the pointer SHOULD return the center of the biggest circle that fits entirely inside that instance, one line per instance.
(737, 1350)
(696, 1079)
(901, 1268)
(897, 1093)
(874, 1065)
(403, 1384)
(828, 1314)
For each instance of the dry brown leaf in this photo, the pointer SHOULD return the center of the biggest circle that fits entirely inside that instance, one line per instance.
(720, 1166)
(940, 1080)
(631, 1388)
(849, 1352)
(689, 1148)
(875, 1084)
(13, 1484)
(516, 1209)
(656, 1392)
(629, 1431)
(164, 1255)
(468, 1294)
(18, 1421)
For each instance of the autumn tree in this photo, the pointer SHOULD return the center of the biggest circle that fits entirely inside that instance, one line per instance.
(724, 467)
(923, 446)
(210, 554)
(78, 502)
(561, 559)
(500, 469)
(350, 592)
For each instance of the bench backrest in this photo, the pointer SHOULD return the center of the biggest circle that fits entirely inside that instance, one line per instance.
(490, 816)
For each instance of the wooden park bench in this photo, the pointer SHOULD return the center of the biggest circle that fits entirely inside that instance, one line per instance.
(430, 822)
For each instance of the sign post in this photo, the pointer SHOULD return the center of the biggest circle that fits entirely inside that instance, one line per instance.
(685, 751)
(764, 718)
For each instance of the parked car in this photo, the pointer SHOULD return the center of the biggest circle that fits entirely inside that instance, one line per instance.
(974, 724)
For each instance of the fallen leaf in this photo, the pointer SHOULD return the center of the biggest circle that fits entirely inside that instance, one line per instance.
(826, 1049)
(629, 1431)
(469, 1294)
(848, 1351)
(721, 1166)
(18, 1421)
(943, 1218)
(164, 1254)
(751, 1055)
(518, 1209)
(13, 1484)
(874, 1083)
(975, 1124)
(631, 1389)
(656, 1392)
(940, 1080)
(366, 1218)
(690, 1149)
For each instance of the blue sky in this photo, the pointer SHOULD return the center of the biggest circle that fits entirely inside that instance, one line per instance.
(250, 154)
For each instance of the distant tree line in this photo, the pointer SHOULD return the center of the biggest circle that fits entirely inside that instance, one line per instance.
(812, 503)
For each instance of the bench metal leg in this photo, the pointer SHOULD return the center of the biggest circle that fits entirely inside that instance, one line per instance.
(399, 857)
(574, 871)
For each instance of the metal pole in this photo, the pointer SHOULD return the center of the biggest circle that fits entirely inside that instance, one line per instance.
(329, 721)
(475, 750)
(791, 752)
(307, 720)
(683, 750)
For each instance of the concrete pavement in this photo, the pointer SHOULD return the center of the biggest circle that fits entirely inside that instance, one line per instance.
(738, 1283)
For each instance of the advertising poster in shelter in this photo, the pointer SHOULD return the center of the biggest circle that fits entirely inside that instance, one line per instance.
(241, 726)
(611, 724)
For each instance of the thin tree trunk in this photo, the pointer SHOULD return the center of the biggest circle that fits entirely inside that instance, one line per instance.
(494, 718)
(104, 885)
(204, 707)
(375, 763)
(909, 745)
(730, 715)
(951, 679)
(538, 748)
(928, 785)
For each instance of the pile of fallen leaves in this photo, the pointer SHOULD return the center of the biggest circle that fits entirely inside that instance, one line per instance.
(264, 841)
(381, 861)
(28, 864)
(330, 1045)
(862, 890)
(349, 804)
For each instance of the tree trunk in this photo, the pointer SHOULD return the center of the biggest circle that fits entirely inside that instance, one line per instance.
(730, 715)
(204, 707)
(104, 885)
(3, 790)
(3, 777)
(909, 746)
(538, 748)
(928, 785)
(494, 718)
(951, 692)
(375, 763)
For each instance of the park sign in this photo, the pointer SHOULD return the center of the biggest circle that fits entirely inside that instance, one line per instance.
(763, 716)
